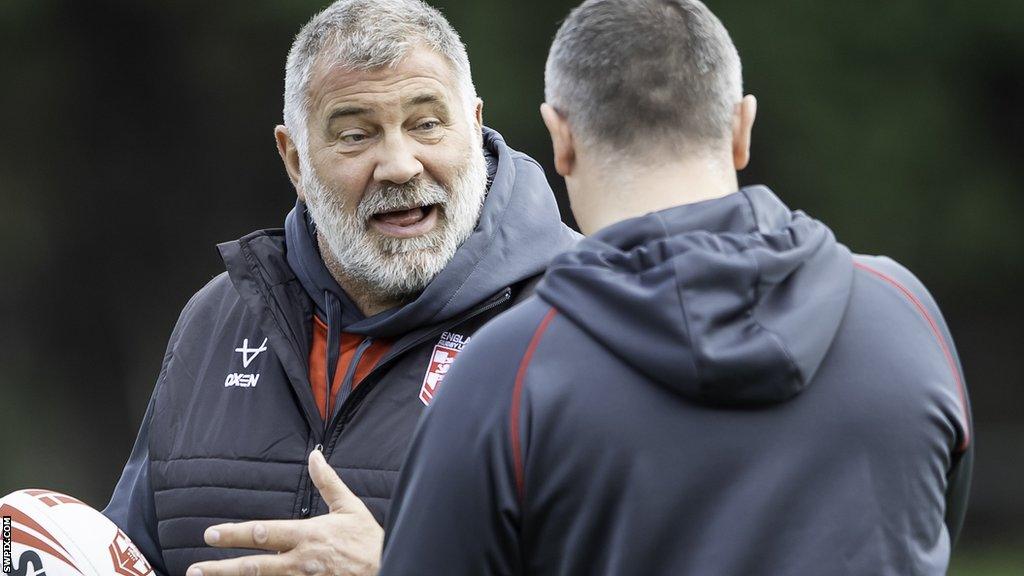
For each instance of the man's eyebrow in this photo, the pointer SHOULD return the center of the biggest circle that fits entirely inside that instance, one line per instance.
(424, 99)
(347, 110)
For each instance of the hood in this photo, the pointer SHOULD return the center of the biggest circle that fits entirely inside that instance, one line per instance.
(518, 233)
(732, 301)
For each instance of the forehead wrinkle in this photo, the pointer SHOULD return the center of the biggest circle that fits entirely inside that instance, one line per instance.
(383, 100)
(336, 79)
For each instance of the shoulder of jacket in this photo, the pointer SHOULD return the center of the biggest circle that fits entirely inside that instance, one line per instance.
(213, 292)
(513, 331)
(206, 304)
(898, 278)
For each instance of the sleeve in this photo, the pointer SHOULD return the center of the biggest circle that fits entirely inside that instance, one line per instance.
(132, 505)
(958, 477)
(456, 507)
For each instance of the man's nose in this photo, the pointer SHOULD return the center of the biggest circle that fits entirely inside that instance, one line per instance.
(397, 162)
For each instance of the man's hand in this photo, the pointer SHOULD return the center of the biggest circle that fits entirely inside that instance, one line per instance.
(347, 541)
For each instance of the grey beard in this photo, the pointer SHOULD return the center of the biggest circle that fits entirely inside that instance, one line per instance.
(397, 269)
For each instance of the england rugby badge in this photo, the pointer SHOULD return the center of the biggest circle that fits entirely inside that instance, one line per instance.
(440, 362)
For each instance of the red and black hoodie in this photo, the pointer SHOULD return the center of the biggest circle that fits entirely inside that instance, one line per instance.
(716, 388)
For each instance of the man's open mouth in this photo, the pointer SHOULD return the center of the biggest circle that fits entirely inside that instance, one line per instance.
(406, 222)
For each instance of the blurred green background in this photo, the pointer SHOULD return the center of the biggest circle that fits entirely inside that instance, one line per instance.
(137, 134)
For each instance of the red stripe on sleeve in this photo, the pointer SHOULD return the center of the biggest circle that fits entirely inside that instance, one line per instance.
(517, 392)
(942, 344)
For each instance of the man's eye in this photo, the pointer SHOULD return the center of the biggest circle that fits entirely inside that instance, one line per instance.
(428, 125)
(353, 137)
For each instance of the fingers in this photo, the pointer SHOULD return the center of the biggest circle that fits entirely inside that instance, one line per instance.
(334, 492)
(260, 565)
(279, 535)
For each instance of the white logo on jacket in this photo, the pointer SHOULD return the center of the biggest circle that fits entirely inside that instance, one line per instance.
(246, 351)
(441, 360)
(248, 355)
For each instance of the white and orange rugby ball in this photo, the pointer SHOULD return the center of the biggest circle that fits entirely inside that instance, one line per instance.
(52, 534)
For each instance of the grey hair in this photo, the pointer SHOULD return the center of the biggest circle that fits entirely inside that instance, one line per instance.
(366, 35)
(635, 75)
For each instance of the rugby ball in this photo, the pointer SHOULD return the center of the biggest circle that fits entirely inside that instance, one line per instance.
(47, 533)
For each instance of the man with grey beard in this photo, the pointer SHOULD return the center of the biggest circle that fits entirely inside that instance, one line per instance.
(293, 381)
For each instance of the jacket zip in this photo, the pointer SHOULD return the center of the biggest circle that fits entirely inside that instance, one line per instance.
(346, 386)
(355, 397)
(307, 501)
(348, 382)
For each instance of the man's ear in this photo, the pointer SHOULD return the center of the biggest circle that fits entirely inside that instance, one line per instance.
(290, 156)
(561, 139)
(742, 126)
(478, 114)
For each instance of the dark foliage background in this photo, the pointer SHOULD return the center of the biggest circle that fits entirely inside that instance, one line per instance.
(137, 134)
